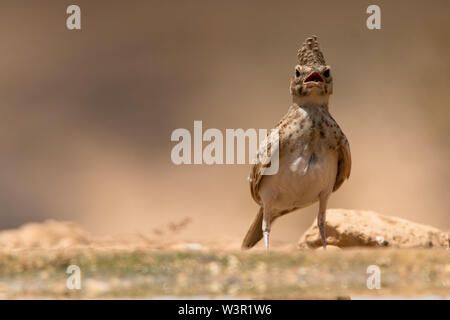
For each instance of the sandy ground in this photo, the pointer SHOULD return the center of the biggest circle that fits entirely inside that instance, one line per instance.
(34, 260)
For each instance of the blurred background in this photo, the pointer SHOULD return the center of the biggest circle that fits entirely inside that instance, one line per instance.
(86, 116)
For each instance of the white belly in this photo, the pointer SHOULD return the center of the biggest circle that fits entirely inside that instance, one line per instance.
(299, 182)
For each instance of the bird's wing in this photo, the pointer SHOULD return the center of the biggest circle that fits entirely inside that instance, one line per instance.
(344, 163)
(269, 147)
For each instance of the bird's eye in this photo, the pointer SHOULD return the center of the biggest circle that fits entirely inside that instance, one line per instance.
(297, 73)
(326, 73)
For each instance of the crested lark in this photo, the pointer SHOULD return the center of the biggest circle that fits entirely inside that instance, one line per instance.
(314, 154)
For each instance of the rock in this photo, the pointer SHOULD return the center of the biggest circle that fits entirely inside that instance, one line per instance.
(354, 228)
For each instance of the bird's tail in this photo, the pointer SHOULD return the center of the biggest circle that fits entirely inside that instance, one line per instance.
(254, 233)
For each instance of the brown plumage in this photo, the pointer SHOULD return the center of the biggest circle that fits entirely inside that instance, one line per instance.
(314, 154)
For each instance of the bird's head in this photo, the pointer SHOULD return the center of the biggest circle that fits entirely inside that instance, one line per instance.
(312, 81)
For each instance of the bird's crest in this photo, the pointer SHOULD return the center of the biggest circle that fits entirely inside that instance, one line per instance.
(309, 54)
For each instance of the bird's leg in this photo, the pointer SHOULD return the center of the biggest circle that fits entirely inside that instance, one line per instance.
(266, 227)
(266, 240)
(321, 219)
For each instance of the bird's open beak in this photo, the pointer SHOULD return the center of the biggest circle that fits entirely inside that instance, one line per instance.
(313, 77)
